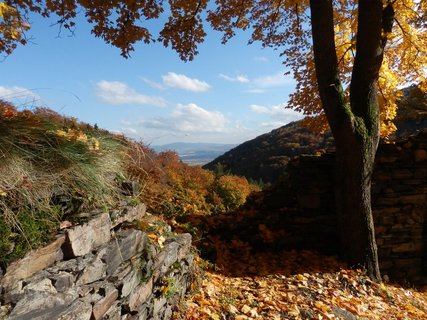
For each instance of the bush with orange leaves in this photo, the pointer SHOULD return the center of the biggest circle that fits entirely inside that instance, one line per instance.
(232, 191)
(172, 188)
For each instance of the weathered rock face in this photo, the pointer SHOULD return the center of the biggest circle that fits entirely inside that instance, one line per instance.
(399, 203)
(105, 274)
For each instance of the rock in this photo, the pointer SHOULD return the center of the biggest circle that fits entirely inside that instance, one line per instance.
(402, 174)
(140, 295)
(100, 308)
(79, 310)
(171, 256)
(420, 155)
(407, 247)
(184, 241)
(100, 280)
(419, 200)
(82, 239)
(94, 270)
(33, 262)
(71, 266)
(114, 313)
(14, 294)
(309, 201)
(44, 285)
(158, 306)
(129, 214)
(130, 282)
(63, 281)
(168, 313)
(41, 306)
(128, 243)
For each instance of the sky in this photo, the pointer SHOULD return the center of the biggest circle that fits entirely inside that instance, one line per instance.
(228, 94)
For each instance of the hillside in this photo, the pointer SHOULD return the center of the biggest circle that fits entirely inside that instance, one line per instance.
(265, 157)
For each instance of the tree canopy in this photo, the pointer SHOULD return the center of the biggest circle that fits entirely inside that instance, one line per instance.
(281, 24)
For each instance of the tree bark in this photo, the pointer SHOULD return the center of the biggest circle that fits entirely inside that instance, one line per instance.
(353, 171)
(354, 124)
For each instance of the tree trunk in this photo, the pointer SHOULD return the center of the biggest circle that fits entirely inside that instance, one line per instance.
(354, 123)
(353, 171)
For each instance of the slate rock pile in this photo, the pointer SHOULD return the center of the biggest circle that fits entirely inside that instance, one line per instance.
(101, 269)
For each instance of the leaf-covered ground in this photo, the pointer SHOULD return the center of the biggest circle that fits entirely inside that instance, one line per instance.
(248, 283)
(296, 285)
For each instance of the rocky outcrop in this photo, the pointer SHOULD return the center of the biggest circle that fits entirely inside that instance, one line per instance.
(102, 269)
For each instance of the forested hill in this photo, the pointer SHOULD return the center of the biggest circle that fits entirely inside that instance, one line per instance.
(265, 157)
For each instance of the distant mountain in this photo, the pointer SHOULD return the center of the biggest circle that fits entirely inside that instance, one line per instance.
(195, 153)
(265, 157)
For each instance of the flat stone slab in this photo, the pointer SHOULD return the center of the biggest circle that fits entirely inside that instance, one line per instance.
(41, 306)
(82, 239)
(129, 214)
(33, 262)
(140, 295)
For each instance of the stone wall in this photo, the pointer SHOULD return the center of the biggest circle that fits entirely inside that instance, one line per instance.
(102, 269)
(399, 201)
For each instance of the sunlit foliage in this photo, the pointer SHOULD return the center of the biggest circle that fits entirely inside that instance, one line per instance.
(174, 189)
(283, 25)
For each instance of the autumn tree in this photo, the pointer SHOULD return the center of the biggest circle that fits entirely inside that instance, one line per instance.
(347, 57)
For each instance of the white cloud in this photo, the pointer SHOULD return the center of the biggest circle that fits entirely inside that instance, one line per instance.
(125, 122)
(238, 78)
(18, 95)
(183, 82)
(115, 92)
(255, 90)
(271, 125)
(189, 118)
(129, 130)
(279, 113)
(154, 84)
(272, 81)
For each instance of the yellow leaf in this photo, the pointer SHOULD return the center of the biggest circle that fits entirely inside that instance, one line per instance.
(215, 316)
(246, 309)
(294, 311)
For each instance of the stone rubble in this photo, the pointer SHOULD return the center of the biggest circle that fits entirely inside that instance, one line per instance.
(93, 271)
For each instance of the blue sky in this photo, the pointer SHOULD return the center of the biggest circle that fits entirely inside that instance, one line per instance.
(228, 94)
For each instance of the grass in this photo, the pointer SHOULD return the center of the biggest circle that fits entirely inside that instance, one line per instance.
(51, 167)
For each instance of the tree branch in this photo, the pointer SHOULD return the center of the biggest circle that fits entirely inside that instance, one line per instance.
(326, 62)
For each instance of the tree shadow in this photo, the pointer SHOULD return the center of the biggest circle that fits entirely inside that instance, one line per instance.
(255, 241)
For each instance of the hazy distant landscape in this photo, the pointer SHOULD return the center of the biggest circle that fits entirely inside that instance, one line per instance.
(196, 153)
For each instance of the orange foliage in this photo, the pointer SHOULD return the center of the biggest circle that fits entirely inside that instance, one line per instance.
(173, 188)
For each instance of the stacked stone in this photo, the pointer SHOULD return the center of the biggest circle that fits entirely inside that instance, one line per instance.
(399, 202)
(313, 223)
(94, 272)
